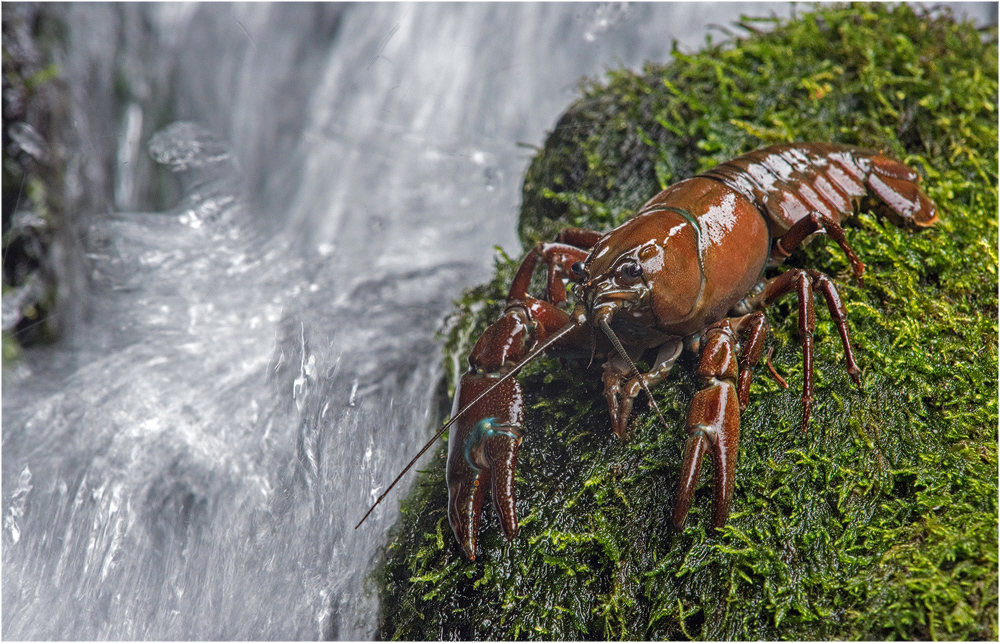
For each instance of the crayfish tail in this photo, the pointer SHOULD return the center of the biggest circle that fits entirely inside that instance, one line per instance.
(896, 185)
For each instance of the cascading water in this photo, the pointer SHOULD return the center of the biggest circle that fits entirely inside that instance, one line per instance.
(254, 364)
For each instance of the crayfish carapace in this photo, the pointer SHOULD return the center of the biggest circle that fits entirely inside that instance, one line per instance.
(686, 273)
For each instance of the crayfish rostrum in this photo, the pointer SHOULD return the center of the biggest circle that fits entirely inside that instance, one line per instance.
(686, 273)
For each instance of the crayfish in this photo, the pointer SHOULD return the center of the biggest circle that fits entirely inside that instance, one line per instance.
(686, 273)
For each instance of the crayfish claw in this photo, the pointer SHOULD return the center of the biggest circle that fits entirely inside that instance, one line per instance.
(720, 438)
(713, 425)
(501, 453)
(694, 451)
(724, 452)
(482, 456)
(465, 507)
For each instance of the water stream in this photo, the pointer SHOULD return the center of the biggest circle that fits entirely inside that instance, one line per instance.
(251, 363)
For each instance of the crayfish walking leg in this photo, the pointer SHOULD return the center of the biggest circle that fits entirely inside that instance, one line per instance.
(803, 283)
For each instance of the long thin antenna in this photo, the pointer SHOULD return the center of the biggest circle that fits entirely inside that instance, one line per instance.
(552, 339)
(642, 381)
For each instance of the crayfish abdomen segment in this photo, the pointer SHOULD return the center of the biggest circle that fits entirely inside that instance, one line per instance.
(793, 181)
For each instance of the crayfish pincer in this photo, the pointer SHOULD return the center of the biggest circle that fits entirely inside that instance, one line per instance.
(686, 273)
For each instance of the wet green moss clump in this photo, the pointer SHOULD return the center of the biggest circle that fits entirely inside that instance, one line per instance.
(881, 520)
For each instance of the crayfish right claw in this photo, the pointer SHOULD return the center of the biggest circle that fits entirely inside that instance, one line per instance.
(465, 506)
(501, 453)
(482, 456)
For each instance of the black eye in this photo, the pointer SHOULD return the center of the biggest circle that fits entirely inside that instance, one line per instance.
(578, 269)
(631, 270)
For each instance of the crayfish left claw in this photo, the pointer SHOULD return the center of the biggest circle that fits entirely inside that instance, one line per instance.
(713, 425)
(694, 451)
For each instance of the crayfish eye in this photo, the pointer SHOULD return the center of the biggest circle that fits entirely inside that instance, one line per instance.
(631, 271)
(578, 269)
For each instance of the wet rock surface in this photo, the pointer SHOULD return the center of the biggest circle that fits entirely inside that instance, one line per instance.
(877, 522)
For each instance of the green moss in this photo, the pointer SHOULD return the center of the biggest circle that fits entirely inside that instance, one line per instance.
(11, 349)
(41, 77)
(881, 520)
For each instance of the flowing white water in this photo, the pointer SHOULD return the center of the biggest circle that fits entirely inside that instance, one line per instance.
(252, 366)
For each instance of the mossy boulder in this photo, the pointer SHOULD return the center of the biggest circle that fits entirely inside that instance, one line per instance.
(878, 522)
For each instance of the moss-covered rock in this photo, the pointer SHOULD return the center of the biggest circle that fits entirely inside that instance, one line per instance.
(881, 520)
(33, 172)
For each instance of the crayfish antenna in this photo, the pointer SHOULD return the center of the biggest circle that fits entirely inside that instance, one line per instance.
(538, 350)
(593, 347)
